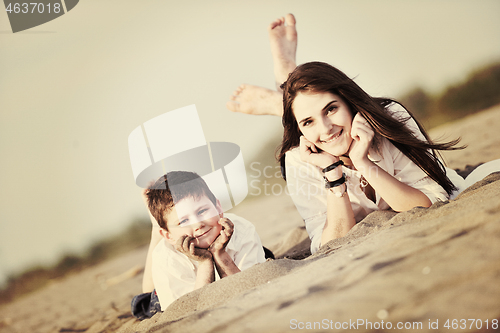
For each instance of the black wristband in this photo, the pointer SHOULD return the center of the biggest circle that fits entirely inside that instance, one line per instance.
(332, 166)
(335, 183)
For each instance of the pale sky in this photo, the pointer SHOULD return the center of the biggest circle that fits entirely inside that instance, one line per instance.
(73, 89)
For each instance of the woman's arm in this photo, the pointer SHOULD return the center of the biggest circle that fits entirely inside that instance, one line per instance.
(400, 196)
(339, 214)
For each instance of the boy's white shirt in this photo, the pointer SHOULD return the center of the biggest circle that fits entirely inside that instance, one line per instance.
(174, 274)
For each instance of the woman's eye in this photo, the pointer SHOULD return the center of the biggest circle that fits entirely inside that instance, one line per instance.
(331, 109)
(307, 122)
(183, 221)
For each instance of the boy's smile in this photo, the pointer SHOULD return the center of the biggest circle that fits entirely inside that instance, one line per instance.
(195, 217)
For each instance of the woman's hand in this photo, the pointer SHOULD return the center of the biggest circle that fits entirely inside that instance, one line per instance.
(362, 134)
(309, 153)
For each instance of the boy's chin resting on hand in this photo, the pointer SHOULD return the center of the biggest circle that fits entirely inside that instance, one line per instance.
(185, 245)
(218, 247)
(196, 240)
(223, 262)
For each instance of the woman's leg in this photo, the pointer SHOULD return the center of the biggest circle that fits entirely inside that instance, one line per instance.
(283, 40)
(256, 100)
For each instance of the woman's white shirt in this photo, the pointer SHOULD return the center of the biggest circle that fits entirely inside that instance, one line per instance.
(307, 187)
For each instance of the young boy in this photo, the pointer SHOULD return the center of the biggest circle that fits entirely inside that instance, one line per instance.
(195, 237)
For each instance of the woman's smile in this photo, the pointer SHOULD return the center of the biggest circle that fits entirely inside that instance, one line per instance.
(325, 120)
(332, 137)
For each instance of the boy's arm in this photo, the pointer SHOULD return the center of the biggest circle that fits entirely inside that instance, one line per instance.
(147, 278)
(205, 275)
(223, 262)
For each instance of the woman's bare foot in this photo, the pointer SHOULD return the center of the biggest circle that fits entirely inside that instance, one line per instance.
(256, 100)
(283, 38)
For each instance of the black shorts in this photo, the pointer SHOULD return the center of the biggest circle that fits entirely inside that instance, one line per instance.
(145, 305)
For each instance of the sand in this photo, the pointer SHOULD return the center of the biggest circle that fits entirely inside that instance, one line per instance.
(419, 268)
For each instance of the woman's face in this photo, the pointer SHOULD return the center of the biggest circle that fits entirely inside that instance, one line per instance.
(325, 120)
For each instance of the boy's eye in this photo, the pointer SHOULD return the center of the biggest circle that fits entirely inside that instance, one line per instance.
(183, 221)
(203, 211)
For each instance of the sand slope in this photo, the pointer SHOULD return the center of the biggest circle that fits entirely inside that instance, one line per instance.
(422, 266)
(426, 264)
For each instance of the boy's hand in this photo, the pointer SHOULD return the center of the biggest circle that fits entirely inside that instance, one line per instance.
(221, 241)
(185, 245)
(223, 262)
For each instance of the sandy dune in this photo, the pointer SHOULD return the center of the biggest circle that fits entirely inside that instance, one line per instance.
(420, 268)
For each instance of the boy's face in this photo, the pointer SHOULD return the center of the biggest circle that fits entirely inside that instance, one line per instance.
(195, 217)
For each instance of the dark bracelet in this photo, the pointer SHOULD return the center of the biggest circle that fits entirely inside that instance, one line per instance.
(332, 166)
(335, 183)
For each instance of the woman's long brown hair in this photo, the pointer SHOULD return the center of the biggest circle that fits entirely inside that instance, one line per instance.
(319, 77)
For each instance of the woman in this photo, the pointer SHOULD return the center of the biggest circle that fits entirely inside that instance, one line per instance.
(347, 154)
(333, 128)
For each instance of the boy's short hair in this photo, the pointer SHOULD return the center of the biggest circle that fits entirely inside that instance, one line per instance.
(173, 187)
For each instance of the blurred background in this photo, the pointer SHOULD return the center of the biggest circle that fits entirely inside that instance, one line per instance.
(73, 89)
